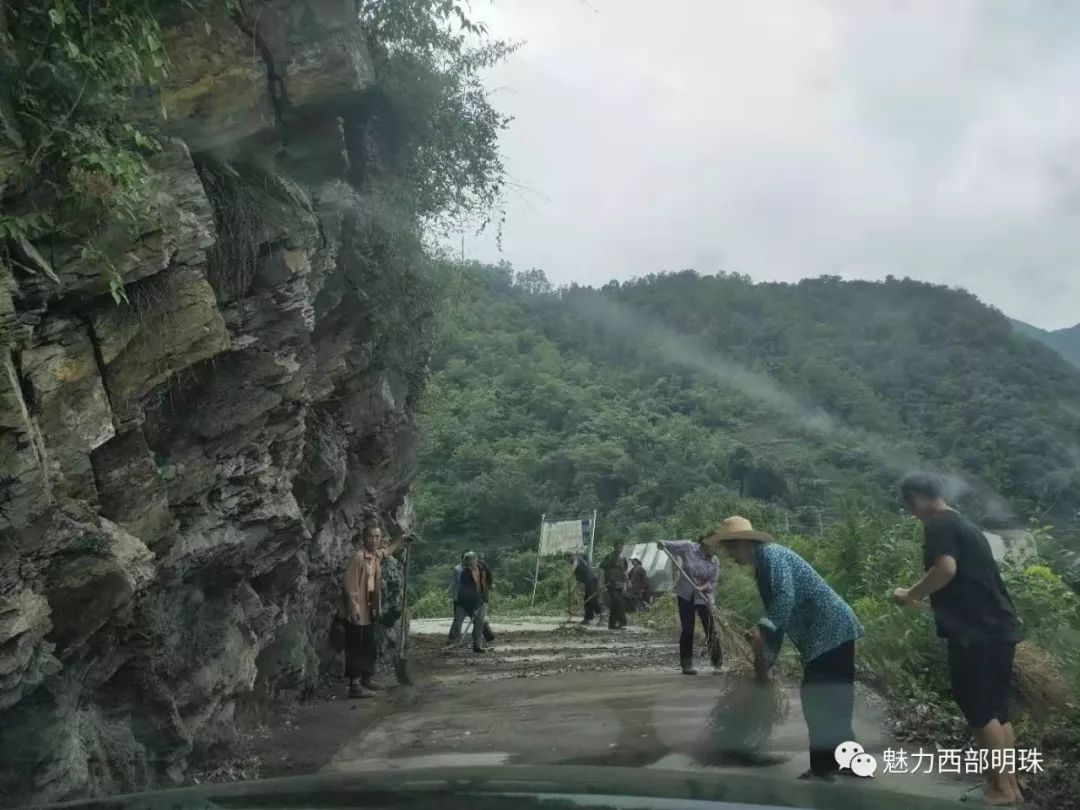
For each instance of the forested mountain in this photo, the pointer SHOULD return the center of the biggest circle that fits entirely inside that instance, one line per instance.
(1065, 342)
(653, 400)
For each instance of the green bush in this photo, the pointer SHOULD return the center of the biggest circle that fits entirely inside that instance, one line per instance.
(70, 72)
(1050, 612)
(431, 604)
(865, 556)
(662, 615)
(901, 648)
(512, 587)
(703, 509)
(522, 605)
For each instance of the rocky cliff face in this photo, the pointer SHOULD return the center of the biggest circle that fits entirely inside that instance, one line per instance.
(182, 476)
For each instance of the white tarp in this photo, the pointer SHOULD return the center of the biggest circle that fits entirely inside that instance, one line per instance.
(564, 537)
(1016, 544)
(657, 565)
(997, 546)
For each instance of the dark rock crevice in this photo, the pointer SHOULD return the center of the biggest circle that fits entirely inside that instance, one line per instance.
(275, 81)
(17, 399)
(99, 361)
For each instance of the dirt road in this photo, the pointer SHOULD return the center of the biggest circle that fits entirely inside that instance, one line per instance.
(549, 694)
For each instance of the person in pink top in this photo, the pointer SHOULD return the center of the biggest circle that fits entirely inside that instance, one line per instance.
(695, 588)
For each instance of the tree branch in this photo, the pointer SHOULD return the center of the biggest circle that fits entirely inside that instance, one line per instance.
(62, 123)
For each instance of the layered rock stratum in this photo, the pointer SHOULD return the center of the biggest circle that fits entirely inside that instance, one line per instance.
(184, 476)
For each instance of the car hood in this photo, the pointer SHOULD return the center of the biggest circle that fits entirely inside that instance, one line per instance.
(519, 787)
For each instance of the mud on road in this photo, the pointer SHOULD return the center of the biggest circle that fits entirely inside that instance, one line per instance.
(546, 693)
(535, 647)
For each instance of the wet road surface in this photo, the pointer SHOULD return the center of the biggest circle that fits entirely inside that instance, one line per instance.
(549, 693)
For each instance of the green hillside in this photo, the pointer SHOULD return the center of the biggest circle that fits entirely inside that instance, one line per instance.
(1065, 342)
(661, 400)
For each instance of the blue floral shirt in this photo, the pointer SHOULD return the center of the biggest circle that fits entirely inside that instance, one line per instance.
(800, 604)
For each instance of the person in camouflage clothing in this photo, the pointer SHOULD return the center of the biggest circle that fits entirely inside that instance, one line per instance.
(613, 569)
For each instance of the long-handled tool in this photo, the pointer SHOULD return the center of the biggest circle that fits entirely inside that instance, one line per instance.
(401, 666)
(463, 637)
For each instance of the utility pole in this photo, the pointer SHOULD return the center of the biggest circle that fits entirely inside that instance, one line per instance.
(539, 547)
(592, 535)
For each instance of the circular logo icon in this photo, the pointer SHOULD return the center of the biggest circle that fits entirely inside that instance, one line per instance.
(864, 765)
(845, 751)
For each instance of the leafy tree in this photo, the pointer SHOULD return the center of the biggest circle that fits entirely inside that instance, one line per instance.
(640, 401)
(430, 113)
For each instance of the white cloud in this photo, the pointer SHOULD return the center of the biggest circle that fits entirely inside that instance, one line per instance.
(797, 137)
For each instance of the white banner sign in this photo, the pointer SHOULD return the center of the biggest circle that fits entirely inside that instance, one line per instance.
(563, 537)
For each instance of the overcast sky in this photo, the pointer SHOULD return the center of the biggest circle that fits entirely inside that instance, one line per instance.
(938, 139)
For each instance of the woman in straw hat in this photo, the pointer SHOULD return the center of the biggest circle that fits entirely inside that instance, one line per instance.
(800, 604)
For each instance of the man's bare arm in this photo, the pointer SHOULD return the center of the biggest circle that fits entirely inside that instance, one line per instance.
(939, 575)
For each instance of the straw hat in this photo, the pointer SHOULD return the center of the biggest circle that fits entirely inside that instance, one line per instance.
(737, 528)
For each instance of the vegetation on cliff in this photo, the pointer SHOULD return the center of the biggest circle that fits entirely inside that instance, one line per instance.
(78, 118)
(70, 146)
(439, 129)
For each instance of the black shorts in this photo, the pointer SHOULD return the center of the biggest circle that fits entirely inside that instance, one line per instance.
(981, 675)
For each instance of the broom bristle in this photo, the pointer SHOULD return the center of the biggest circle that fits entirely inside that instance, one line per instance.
(1040, 686)
(742, 720)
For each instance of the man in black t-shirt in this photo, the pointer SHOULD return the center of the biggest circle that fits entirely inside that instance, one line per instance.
(975, 615)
